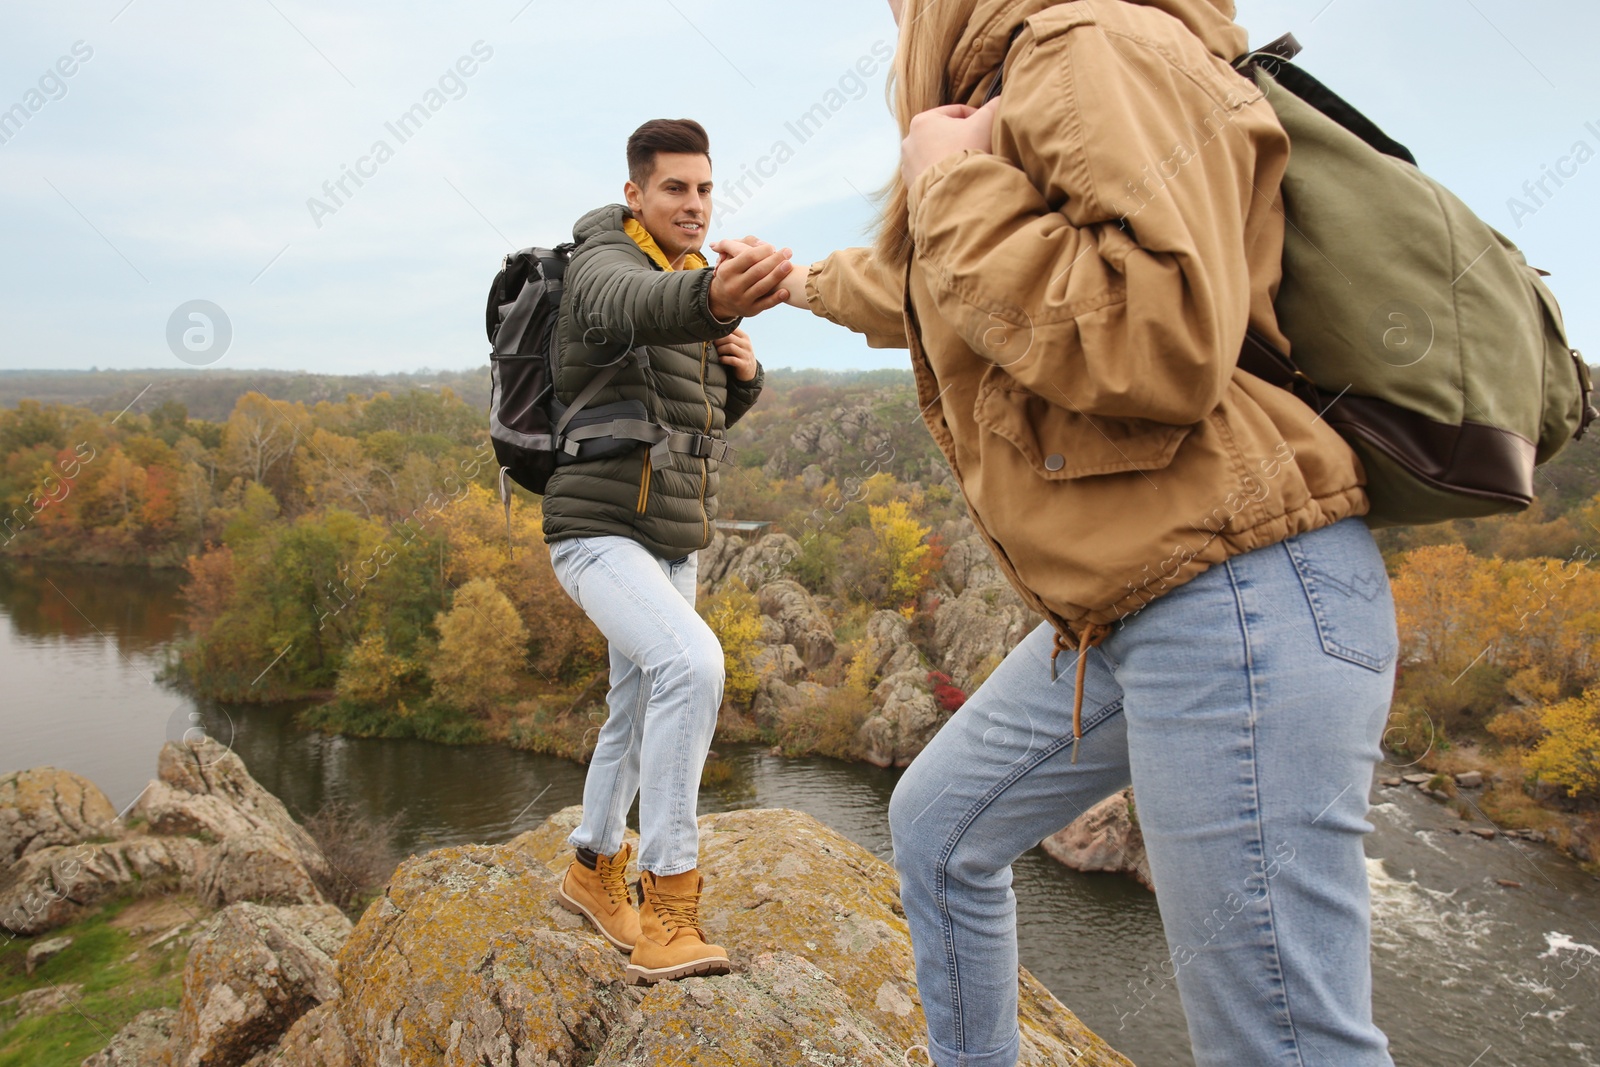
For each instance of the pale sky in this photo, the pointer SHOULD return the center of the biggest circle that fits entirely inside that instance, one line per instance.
(174, 163)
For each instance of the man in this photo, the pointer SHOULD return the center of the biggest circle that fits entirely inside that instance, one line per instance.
(624, 526)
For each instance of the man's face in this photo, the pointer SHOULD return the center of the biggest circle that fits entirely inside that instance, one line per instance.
(675, 202)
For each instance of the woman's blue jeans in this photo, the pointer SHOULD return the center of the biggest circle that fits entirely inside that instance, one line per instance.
(1246, 707)
(666, 689)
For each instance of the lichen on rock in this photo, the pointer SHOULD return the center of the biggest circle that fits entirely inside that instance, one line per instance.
(466, 959)
(47, 806)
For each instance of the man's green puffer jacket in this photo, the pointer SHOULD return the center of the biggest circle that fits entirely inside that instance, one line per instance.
(615, 298)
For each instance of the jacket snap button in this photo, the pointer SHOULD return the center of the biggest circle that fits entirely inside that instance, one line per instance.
(1054, 462)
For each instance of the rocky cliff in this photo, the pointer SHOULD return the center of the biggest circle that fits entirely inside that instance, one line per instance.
(465, 959)
(203, 826)
(976, 619)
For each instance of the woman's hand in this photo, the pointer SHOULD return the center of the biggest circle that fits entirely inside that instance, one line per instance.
(794, 290)
(736, 353)
(944, 131)
(747, 278)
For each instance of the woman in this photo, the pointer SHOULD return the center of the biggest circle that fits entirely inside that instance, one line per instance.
(1073, 267)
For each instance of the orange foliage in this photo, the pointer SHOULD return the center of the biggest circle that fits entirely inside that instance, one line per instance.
(210, 587)
(1445, 605)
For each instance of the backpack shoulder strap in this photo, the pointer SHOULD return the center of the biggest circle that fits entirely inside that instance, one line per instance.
(591, 389)
(1284, 48)
(1274, 60)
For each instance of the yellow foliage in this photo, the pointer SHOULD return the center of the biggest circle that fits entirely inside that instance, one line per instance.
(335, 472)
(1445, 605)
(1533, 617)
(260, 432)
(1517, 729)
(859, 677)
(899, 547)
(1530, 686)
(880, 488)
(735, 617)
(1549, 610)
(482, 645)
(1569, 754)
(478, 546)
(371, 674)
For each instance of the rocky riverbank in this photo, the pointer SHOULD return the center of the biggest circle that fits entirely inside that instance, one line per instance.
(828, 679)
(464, 958)
(912, 682)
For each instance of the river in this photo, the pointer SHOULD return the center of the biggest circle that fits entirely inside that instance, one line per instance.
(1466, 972)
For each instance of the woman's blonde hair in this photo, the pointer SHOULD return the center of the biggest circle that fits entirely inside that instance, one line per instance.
(929, 33)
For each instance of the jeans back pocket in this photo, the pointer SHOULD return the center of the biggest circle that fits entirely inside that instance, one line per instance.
(1347, 588)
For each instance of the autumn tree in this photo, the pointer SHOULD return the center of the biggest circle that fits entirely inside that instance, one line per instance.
(209, 589)
(479, 544)
(482, 647)
(1446, 602)
(372, 674)
(1549, 614)
(899, 548)
(334, 471)
(260, 432)
(193, 490)
(735, 617)
(1569, 754)
(287, 615)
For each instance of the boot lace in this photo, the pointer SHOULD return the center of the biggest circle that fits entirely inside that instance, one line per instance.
(677, 911)
(613, 879)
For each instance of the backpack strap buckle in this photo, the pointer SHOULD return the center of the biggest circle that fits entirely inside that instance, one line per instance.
(700, 446)
(1284, 49)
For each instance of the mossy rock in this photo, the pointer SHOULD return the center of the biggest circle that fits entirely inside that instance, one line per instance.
(468, 959)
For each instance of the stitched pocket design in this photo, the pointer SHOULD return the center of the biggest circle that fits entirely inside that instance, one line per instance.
(1060, 443)
(1348, 591)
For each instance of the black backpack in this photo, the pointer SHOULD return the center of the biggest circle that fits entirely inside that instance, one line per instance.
(532, 432)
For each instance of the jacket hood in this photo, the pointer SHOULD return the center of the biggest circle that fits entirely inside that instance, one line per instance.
(616, 222)
(601, 220)
(982, 47)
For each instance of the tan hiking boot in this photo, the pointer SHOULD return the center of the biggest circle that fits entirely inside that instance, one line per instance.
(671, 943)
(601, 896)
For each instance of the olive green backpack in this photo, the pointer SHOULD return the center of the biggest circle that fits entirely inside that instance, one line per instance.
(1419, 332)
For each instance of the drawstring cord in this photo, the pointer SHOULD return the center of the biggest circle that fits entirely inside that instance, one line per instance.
(1087, 639)
(505, 498)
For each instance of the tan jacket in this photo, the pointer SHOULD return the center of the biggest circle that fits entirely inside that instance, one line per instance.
(1080, 375)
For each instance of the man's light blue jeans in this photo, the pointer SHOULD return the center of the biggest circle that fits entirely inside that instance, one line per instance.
(1247, 708)
(666, 687)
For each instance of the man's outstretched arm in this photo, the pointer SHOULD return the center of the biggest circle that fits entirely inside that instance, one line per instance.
(617, 300)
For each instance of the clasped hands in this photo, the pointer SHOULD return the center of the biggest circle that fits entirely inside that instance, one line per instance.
(752, 275)
(747, 281)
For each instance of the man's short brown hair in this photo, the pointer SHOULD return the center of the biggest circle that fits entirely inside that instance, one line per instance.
(664, 135)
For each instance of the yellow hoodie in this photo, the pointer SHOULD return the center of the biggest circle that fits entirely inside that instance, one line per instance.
(641, 237)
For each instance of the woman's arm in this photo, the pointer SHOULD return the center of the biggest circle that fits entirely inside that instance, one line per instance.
(848, 288)
(853, 289)
(1109, 227)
